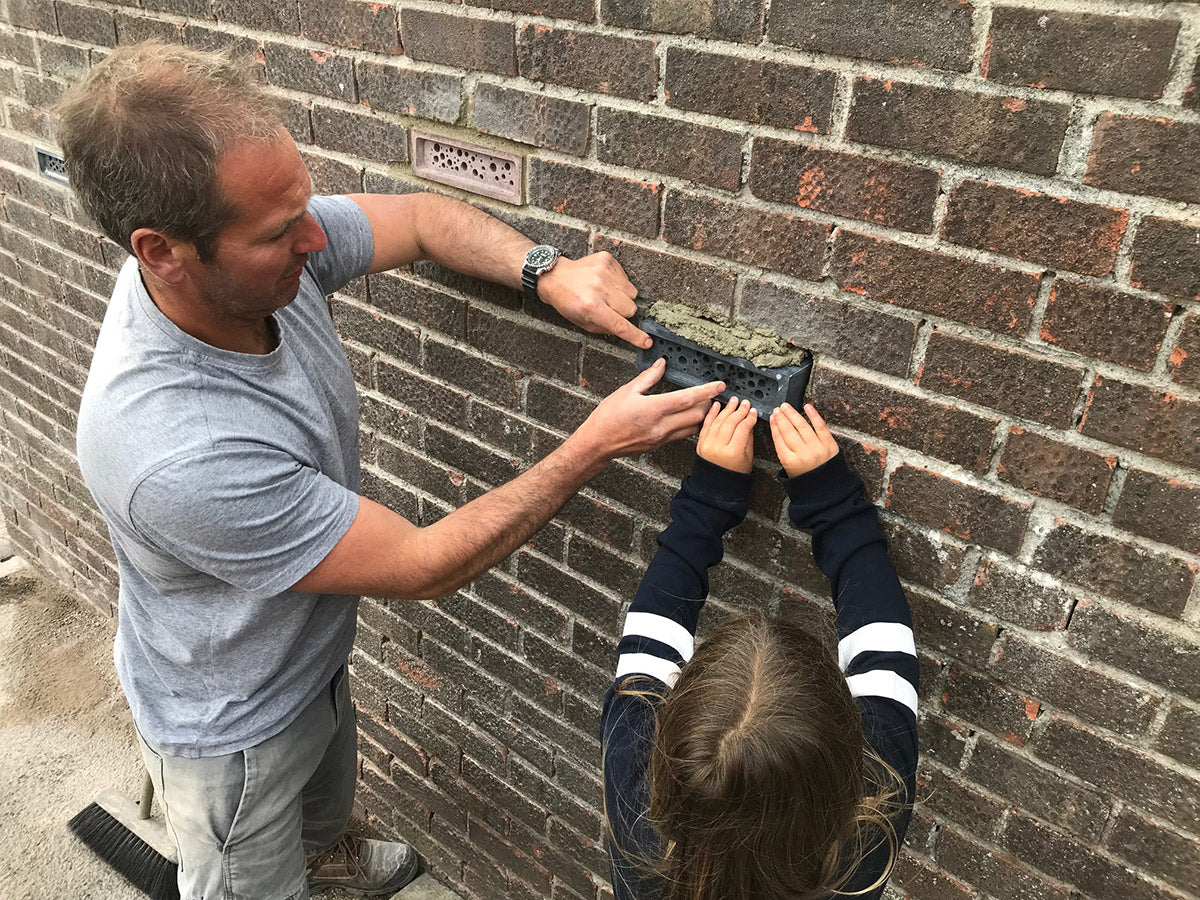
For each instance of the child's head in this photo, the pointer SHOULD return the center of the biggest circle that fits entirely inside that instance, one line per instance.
(759, 784)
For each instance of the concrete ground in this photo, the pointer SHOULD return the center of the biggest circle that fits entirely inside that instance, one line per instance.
(65, 733)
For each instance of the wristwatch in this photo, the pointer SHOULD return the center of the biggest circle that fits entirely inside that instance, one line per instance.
(538, 260)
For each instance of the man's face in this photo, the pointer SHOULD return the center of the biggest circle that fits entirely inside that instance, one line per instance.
(260, 254)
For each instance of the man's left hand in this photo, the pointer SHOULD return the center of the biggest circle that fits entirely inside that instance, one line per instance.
(594, 293)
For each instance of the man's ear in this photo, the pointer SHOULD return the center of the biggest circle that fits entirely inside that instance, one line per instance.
(161, 255)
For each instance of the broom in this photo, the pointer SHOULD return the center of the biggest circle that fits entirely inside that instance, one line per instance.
(122, 834)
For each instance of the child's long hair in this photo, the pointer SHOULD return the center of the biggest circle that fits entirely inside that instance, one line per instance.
(761, 785)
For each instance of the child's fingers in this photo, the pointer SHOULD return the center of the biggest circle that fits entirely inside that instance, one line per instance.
(710, 417)
(783, 433)
(731, 416)
(819, 427)
(744, 433)
(803, 429)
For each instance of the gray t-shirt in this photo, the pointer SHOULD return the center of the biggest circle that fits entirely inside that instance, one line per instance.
(225, 478)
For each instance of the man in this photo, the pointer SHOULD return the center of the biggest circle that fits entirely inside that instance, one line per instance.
(218, 435)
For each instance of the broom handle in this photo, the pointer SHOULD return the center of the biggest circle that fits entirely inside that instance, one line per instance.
(147, 797)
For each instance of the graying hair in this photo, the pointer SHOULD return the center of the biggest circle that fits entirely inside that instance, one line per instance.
(142, 135)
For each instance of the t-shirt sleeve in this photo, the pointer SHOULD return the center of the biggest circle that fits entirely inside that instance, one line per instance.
(248, 514)
(351, 244)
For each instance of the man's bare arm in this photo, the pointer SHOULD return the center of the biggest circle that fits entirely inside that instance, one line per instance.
(385, 555)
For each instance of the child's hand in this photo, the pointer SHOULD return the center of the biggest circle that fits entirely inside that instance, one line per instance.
(727, 435)
(801, 447)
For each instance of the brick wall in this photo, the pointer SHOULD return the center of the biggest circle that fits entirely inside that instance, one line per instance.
(982, 216)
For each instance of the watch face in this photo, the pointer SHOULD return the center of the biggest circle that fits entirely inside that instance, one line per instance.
(540, 257)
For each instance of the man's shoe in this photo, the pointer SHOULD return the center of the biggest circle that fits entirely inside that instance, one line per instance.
(363, 866)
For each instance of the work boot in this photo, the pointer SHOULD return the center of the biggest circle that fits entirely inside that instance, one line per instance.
(363, 866)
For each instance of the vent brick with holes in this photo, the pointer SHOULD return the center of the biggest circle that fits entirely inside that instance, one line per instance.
(480, 170)
(51, 166)
(690, 363)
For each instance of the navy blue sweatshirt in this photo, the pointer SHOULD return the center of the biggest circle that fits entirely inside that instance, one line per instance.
(874, 629)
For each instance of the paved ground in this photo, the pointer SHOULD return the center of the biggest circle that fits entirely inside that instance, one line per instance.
(65, 733)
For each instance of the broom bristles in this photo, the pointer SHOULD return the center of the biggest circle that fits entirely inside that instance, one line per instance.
(141, 865)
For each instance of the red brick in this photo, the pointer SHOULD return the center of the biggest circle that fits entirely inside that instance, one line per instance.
(351, 23)
(982, 702)
(996, 873)
(959, 289)
(933, 33)
(663, 276)
(844, 184)
(1158, 423)
(409, 91)
(940, 430)
(738, 20)
(1082, 52)
(605, 64)
(1116, 569)
(1185, 358)
(752, 90)
(624, 203)
(672, 146)
(843, 330)
(1056, 470)
(757, 237)
(1107, 324)
(1160, 508)
(359, 134)
(968, 512)
(952, 630)
(458, 40)
(923, 558)
(531, 118)
(579, 10)
(1001, 378)
(1166, 258)
(1166, 654)
(1039, 790)
(1056, 231)
(984, 129)
(311, 71)
(1180, 735)
(1154, 848)
(1015, 595)
(1149, 156)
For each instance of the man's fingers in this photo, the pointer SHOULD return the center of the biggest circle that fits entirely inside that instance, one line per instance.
(689, 398)
(621, 327)
(646, 379)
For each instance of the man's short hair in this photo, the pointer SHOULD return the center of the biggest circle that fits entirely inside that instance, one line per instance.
(142, 135)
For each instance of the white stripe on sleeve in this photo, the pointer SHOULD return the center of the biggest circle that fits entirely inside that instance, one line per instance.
(646, 664)
(881, 637)
(884, 683)
(661, 629)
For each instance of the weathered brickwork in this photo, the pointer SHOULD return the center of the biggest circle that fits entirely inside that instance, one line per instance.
(984, 219)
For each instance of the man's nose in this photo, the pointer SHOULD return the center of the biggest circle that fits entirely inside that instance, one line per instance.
(311, 238)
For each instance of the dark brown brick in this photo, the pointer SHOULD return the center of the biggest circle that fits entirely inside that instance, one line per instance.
(624, 203)
(86, 24)
(981, 701)
(410, 91)
(941, 740)
(530, 348)
(920, 878)
(605, 64)
(1074, 687)
(738, 20)
(1056, 231)
(785, 243)
(419, 302)
(1166, 258)
(1016, 595)
(61, 58)
(672, 146)
(996, 873)
(1117, 569)
(1163, 654)
(933, 33)
(1059, 471)
(941, 430)
(1185, 358)
(359, 134)
(1001, 378)
(941, 794)
(1039, 790)
(952, 630)
(968, 512)
(848, 332)
(1159, 423)
(561, 407)
(925, 558)
(458, 40)
(966, 291)
(1082, 52)
(844, 184)
(531, 118)
(499, 384)
(1107, 324)
(279, 18)
(332, 176)
(1180, 735)
(374, 330)
(751, 90)
(311, 71)
(580, 10)
(985, 129)
(37, 15)
(1154, 157)
(568, 589)
(351, 23)
(197, 9)
(662, 276)
(1153, 848)
(1160, 508)
(1191, 94)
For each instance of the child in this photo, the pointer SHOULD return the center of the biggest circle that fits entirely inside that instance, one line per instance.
(767, 765)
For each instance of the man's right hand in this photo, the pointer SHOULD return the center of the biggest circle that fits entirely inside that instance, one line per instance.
(629, 421)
